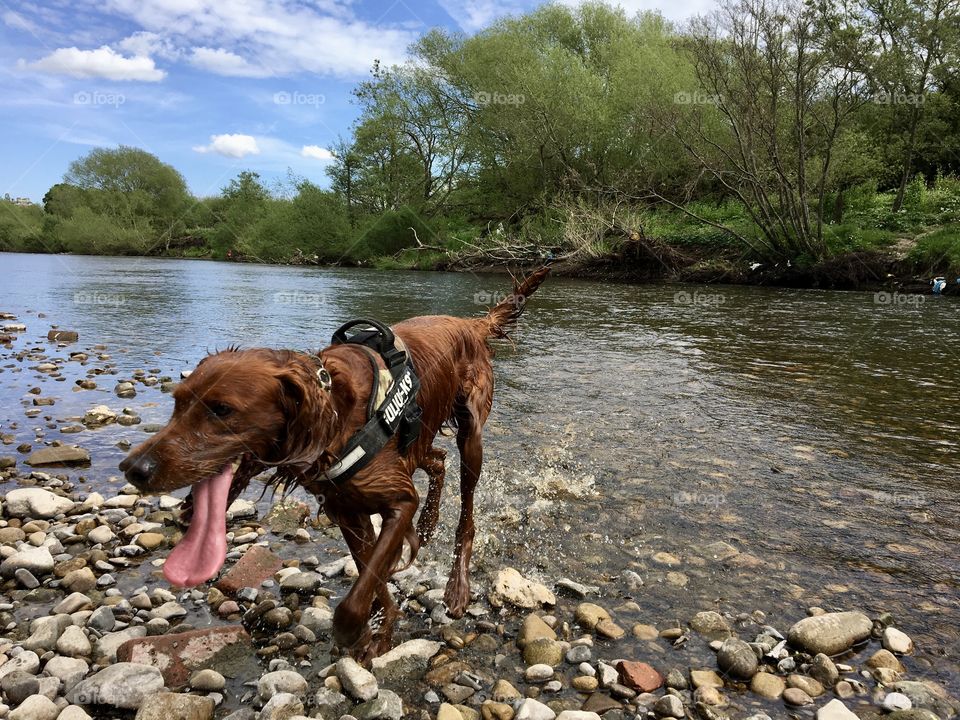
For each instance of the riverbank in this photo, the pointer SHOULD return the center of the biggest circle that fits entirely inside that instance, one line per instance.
(92, 630)
(671, 563)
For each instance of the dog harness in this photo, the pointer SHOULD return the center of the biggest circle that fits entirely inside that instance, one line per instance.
(392, 408)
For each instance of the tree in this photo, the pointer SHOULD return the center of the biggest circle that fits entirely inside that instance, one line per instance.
(144, 194)
(774, 93)
(916, 55)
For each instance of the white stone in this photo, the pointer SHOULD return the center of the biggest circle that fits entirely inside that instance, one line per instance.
(121, 685)
(836, 710)
(36, 503)
(531, 709)
(281, 681)
(74, 643)
(358, 683)
(36, 707)
(897, 641)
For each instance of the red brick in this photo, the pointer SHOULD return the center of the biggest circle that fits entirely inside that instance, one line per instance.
(256, 565)
(639, 676)
(179, 655)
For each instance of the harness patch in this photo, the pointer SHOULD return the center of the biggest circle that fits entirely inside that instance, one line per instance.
(396, 414)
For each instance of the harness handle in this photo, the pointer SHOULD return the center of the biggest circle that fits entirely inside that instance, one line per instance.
(374, 335)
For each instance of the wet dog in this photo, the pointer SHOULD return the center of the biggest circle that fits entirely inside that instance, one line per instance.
(242, 412)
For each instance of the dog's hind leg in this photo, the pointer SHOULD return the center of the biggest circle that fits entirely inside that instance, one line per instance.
(471, 413)
(435, 467)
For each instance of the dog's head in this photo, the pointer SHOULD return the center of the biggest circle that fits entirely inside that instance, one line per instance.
(238, 413)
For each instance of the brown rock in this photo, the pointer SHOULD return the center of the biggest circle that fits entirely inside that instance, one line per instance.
(600, 704)
(59, 455)
(639, 676)
(256, 565)
(63, 336)
(179, 655)
(82, 580)
(796, 696)
(173, 706)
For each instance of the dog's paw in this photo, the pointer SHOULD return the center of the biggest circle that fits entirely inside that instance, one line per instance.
(457, 598)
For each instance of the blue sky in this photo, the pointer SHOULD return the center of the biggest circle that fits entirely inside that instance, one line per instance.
(212, 87)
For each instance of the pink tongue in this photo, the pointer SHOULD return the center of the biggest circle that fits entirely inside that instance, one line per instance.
(202, 551)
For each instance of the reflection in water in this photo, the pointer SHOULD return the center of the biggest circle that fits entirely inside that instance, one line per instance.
(815, 432)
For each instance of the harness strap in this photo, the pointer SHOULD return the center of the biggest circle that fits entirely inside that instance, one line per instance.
(398, 414)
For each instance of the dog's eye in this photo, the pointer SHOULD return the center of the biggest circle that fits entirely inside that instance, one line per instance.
(221, 410)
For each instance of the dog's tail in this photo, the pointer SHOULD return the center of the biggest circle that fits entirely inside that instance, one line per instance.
(504, 314)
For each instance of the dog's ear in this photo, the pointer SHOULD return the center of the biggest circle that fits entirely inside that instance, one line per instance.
(308, 411)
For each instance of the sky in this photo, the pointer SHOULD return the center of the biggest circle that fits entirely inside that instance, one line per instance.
(211, 87)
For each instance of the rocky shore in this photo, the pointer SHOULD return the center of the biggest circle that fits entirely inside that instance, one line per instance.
(91, 630)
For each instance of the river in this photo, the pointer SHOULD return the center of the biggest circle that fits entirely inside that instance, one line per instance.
(815, 432)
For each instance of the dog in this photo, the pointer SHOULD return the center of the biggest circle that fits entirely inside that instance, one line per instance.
(243, 412)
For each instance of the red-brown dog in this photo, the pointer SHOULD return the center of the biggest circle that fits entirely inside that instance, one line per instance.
(244, 411)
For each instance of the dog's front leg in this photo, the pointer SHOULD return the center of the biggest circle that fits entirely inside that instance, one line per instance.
(351, 619)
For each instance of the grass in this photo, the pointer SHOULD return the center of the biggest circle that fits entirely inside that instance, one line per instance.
(939, 251)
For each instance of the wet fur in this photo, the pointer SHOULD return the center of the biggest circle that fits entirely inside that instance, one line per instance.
(280, 417)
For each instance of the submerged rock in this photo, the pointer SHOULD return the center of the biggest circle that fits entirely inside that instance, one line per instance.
(830, 633)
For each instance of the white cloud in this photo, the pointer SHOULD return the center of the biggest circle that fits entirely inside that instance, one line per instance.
(230, 145)
(274, 37)
(150, 44)
(224, 62)
(474, 15)
(19, 22)
(103, 62)
(316, 152)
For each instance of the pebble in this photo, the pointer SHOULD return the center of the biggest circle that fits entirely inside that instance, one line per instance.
(797, 697)
(737, 659)
(539, 673)
(531, 709)
(836, 710)
(897, 641)
(669, 706)
(896, 701)
(830, 633)
(767, 685)
(35, 707)
(509, 587)
(208, 681)
(810, 686)
(359, 683)
(121, 685)
(74, 643)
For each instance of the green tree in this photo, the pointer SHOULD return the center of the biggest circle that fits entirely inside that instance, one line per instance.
(141, 193)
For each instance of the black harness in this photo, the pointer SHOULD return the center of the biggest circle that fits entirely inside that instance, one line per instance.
(398, 414)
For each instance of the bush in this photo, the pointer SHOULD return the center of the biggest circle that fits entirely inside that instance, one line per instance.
(938, 253)
(390, 233)
(88, 233)
(21, 228)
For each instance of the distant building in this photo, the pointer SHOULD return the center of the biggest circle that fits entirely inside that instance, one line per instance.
(23, 202)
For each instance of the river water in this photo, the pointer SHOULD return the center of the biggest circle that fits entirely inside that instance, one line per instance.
(815, 432)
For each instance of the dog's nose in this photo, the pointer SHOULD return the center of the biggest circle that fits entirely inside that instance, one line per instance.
(139, 471)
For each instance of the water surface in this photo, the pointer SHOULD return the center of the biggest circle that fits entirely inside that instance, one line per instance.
(815, 432)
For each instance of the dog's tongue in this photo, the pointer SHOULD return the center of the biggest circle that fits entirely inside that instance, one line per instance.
(202, 551)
